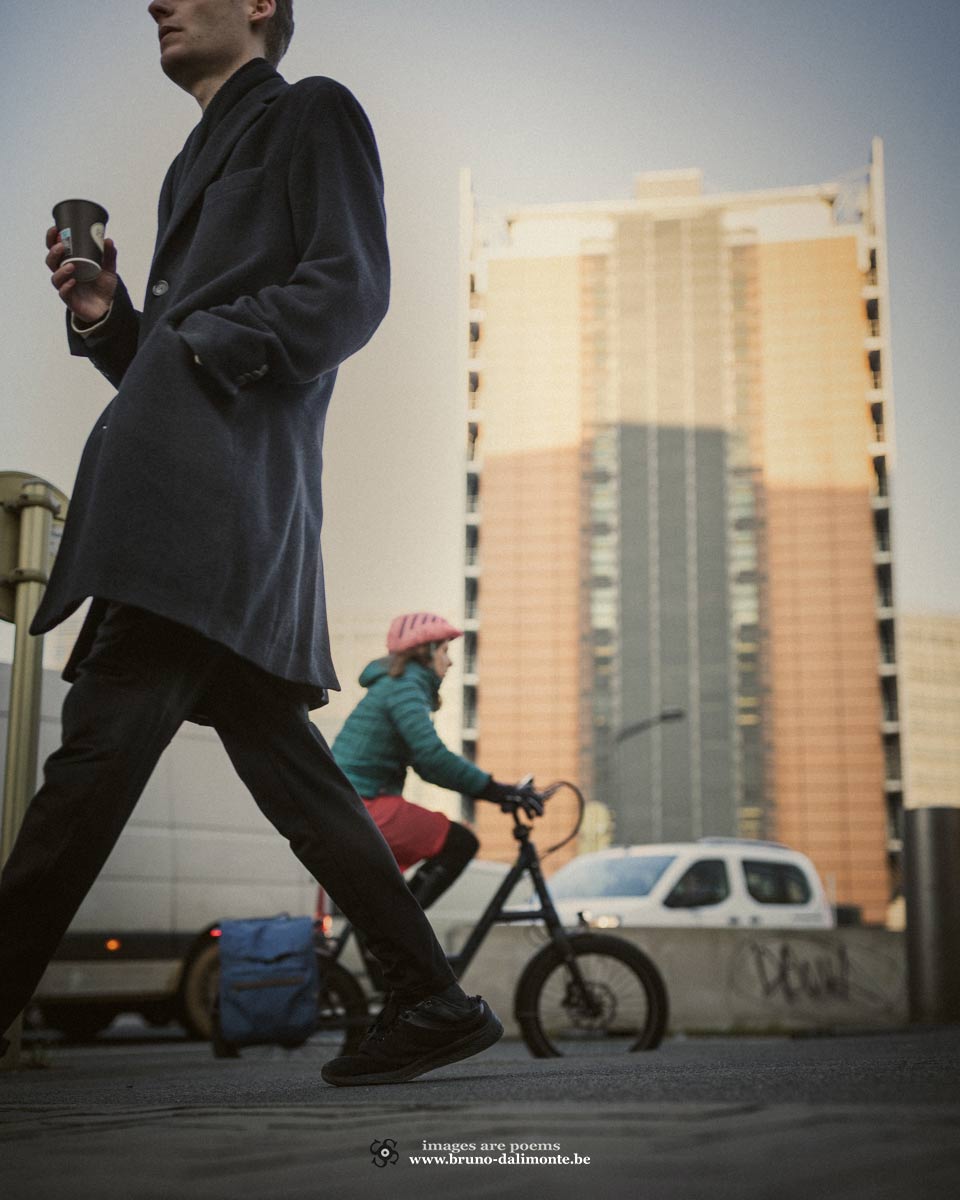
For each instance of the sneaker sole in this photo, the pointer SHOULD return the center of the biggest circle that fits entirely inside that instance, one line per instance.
(487, 1035)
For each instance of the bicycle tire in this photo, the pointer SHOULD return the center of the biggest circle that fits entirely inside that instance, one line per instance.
(627, 1006)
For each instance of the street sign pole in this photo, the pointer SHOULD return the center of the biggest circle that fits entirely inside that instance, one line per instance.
(31, 518)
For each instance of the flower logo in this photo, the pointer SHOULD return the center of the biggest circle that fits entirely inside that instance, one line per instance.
(384, 1152)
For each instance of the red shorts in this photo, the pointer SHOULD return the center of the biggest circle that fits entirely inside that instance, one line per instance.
(411, 831)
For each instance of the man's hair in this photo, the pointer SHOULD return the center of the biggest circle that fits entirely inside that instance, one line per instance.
(279, 31)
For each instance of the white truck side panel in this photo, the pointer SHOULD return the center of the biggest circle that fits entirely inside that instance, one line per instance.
(196, 850)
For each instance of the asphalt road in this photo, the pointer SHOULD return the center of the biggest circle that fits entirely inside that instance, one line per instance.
(872, 1116)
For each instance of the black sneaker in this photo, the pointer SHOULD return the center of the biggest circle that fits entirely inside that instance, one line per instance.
(407, 1042)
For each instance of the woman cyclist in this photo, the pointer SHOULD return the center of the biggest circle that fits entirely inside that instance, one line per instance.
(390, 730)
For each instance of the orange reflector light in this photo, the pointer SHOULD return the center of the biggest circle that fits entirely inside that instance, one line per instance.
(216, 932)
(113, 944)
(326, 924)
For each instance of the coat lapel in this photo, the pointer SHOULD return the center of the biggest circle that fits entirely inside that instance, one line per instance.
(178, 196)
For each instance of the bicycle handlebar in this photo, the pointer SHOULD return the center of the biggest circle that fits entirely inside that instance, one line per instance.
(525, 788)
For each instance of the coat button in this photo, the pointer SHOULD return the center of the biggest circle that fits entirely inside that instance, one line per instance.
(160, 288)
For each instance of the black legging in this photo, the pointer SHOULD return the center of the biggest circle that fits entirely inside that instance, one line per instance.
(436, 874)
(431, 880)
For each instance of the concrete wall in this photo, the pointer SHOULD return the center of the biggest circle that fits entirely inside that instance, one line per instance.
(738, 980)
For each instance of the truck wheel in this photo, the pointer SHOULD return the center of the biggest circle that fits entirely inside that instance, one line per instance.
(157, 1015)
(198, 990)
(78, 1022)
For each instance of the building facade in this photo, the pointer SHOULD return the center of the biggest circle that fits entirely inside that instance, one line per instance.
(930, 683)
(678, 497)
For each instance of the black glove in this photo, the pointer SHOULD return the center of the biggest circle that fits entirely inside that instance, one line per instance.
(507, 796)
(496, 793)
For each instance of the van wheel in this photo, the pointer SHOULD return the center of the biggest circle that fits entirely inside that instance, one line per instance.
(198, 990)
(78, 1022)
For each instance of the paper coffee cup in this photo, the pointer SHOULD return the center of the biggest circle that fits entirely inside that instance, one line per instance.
(80, 224)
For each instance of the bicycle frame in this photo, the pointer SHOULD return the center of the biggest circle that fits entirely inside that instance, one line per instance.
(528, 863)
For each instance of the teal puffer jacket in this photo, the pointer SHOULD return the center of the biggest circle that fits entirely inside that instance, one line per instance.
(391, 729)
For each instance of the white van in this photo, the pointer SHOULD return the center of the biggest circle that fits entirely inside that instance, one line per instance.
(713, 882)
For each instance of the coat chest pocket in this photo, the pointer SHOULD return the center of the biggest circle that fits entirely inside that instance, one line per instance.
(232, 185)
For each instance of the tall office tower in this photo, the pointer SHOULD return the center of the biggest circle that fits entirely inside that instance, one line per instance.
(678, 497)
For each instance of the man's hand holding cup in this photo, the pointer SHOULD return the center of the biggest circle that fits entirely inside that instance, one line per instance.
(83, 264)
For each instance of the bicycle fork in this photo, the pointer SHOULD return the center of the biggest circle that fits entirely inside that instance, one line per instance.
(578, 995)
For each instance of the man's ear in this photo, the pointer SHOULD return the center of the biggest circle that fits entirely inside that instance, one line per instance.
(261, 10)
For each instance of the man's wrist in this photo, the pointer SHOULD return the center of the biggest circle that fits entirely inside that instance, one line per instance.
(83, 328)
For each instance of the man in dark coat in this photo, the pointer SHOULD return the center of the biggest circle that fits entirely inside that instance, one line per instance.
(195, 519)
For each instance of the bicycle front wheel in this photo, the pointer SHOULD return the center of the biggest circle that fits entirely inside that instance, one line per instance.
(613, 1000)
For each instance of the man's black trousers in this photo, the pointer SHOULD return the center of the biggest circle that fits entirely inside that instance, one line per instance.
(143, 677)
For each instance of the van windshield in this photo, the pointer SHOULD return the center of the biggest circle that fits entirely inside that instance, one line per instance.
(627, 876)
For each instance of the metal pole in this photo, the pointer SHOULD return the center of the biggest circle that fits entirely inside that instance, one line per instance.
(36, 505)
(932, 891)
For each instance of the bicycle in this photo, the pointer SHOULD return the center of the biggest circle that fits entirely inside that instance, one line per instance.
(582, 992)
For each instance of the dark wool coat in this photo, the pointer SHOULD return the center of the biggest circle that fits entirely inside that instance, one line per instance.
(198, 493)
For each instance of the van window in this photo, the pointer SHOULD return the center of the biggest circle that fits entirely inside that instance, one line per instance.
(776, 882)
(701, 885)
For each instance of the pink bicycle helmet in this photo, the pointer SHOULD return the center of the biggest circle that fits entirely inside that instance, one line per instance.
(418, 629)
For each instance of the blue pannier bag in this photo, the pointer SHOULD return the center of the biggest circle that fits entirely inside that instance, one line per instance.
(269, 983)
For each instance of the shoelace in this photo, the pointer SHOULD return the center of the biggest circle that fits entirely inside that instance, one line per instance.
(388, 1017)
(391, 1015)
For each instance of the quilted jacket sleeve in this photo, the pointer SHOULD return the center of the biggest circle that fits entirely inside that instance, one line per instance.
(410, 713)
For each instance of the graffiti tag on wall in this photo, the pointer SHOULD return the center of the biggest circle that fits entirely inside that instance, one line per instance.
(803, 974)
(781, 971)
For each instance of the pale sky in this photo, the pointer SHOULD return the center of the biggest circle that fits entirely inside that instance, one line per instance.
(545, 100)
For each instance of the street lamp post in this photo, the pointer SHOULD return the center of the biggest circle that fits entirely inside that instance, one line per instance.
(612, 768)
(667, 714)
(32, 512)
